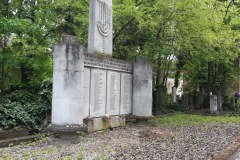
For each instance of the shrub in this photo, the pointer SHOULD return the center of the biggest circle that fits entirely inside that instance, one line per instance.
(25, 108)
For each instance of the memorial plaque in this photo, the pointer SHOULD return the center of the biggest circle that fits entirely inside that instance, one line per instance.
(98, 93)
(113, 93)
(86, 92)
(126, 93)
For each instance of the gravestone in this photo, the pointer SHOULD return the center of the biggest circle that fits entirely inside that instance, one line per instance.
(213, 104)
(174, 95)
(100, 28)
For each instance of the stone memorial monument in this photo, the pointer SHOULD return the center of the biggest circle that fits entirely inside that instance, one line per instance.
(94, 91)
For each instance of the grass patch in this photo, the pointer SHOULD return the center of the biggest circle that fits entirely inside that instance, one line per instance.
(181, 119)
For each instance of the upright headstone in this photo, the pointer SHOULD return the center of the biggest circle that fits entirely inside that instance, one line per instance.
(67, 112)
(174, 95)
(100, 28)
(213, 104)
(142, 88)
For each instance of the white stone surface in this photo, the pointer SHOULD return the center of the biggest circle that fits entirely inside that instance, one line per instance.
(126, 93)
(113, 93)
(170, 84)
(174, 94)
(68, 84)
(86, 92)
(98, 93)
(213, 104)
(100, 27)
(142, 88)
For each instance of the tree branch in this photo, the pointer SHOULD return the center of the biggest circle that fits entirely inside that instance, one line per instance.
(228, 7)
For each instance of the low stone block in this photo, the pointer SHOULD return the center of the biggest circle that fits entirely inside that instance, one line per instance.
(66, 128)
(97, 124)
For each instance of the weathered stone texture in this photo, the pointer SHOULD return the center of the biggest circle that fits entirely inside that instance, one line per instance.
(67, 83)
(142, 88)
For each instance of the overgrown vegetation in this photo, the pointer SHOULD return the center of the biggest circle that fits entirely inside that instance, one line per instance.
(181, 119)
(26, 108)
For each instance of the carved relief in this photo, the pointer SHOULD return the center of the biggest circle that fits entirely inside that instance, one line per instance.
(100, 28)
(104, 18)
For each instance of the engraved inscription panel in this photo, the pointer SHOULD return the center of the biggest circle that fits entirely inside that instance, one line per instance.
(126, 93)
(86, 91)
(113, 93)
(107, 63)
(98, 93)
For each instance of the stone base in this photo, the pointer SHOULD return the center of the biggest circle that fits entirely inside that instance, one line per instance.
(66, 128)
(101, 123)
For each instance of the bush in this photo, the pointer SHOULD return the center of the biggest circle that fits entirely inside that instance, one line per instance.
(24, 108)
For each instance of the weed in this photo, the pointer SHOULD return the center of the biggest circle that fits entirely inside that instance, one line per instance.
(25, 155)
(68, 158)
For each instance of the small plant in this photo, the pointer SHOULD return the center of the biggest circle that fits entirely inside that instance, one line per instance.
(25, 155)
(126, 147)
(80, 155)
(6, 156)
(10, 145)
(68, 158)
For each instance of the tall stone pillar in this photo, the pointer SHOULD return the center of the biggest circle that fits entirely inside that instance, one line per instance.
(100, 28)
(142, 88)
(67, 109)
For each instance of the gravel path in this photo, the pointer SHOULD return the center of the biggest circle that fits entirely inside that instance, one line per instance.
(134, 142)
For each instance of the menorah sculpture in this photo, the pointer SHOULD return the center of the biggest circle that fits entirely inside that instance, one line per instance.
(104, 18)
(100, 28)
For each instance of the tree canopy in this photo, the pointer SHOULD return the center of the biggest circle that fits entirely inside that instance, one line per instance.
(199, 38)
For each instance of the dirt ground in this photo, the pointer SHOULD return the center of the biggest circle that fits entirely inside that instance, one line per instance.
(133, 142)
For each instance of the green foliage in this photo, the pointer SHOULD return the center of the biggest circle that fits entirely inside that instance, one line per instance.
(23, 108)
(181, 119)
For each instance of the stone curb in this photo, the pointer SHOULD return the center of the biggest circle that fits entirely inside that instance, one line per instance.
(16, 141)
(229, 151)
